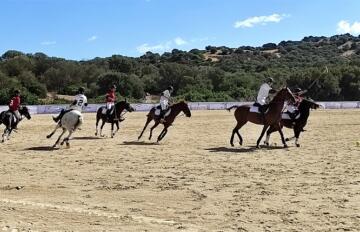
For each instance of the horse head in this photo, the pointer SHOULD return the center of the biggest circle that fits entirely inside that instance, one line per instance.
(185, 108)
(120, 106)
(309, 103)
(25, 111)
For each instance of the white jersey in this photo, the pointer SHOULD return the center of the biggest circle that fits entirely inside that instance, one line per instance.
(164, 99)
(81, 101)
(263, 94)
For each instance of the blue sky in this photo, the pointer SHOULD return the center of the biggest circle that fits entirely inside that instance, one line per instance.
(84, 29)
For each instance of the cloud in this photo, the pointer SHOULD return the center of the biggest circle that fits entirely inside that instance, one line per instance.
(262, 20)
(92, 38)
(154, 48)
(46, 43)
(345, 27)
(162, 47)
(179, 41)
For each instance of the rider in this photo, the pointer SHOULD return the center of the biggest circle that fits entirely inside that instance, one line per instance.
(110, 98)
(79, 103)
(262, 97)
(292, 108)
(14, 107)
(164, 102)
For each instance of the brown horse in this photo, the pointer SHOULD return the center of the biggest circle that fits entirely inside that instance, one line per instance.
(271, 117)
(175, 110)
(298, 124)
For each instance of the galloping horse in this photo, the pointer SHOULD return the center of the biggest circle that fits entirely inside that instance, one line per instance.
(71, 121)
(8, 119)
(298, 124)
(169, 119)
(272, 116)
(114, 117)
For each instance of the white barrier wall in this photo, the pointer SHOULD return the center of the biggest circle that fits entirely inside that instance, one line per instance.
(54, 109)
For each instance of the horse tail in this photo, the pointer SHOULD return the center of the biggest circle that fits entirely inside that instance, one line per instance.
(232, 107)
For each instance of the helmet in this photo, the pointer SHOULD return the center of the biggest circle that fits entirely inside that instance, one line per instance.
(269, 80)
(81, 90)
(297, 90)
(170, 88)
(17, 91)
(113, 87)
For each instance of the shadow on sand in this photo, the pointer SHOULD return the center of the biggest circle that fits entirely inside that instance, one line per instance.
(242, 149)
(43, 148)
(86, 138)
(141, 143)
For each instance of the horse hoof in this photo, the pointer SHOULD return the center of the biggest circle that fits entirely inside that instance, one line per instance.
(232, 144)
(258, 146)
(287, 139)
(48, 136)
(286, 146)
(95, 134)
(297, 145)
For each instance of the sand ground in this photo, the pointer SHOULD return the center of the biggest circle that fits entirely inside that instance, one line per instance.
(192, 181)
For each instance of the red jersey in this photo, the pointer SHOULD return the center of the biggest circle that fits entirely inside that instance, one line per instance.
(110, 96)
(14, 104)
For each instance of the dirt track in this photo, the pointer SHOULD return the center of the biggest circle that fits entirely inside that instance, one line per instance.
(192, 181)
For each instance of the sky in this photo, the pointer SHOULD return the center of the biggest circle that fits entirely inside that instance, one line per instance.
(84, 29)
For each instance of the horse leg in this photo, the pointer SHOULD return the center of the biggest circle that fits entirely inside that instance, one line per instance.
(268, 133)
(236, 131)
(261, 135)
(58, 140)
(297, 132)
(97, 123)
(66, 139)
(117, 127)
(148, 120)
(53, 132)
(4, 135)
(162, 134)
(101, 128)
(152, 128)
(282, 137)
(112, 130)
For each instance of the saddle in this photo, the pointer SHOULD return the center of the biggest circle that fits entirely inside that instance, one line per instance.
(290, 116)
(158, 111)
(259, 109)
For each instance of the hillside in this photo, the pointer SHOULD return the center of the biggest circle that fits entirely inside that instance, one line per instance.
(212, 74)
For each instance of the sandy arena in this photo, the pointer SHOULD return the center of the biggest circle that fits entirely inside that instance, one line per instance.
(192, 181)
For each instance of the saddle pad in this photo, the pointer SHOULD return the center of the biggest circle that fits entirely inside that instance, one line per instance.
(286, 116)
(158, 111)
(254, 109)
(103, 110)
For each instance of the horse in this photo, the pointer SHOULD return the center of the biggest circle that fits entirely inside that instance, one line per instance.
(70, 122)
(114, 116)
(271, 117)
(174, 109)
(298, 124)
(8, 119)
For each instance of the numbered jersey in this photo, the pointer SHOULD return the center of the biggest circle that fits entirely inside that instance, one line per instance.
(81, 101)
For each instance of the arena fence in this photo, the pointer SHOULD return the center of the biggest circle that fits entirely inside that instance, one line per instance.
(53, 109)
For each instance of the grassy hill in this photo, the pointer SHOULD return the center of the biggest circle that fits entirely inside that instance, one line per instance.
(211, 74)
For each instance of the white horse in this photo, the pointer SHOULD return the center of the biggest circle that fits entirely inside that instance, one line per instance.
(69, 122)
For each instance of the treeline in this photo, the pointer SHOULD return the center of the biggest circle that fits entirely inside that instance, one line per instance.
(212, 74)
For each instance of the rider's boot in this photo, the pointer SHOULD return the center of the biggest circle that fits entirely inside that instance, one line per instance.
(58, 118)
(162, 116)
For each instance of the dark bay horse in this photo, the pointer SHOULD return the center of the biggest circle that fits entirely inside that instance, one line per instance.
(8, 119)
(298, 124)
(272, 116)
(175, 110)
(113, 118)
